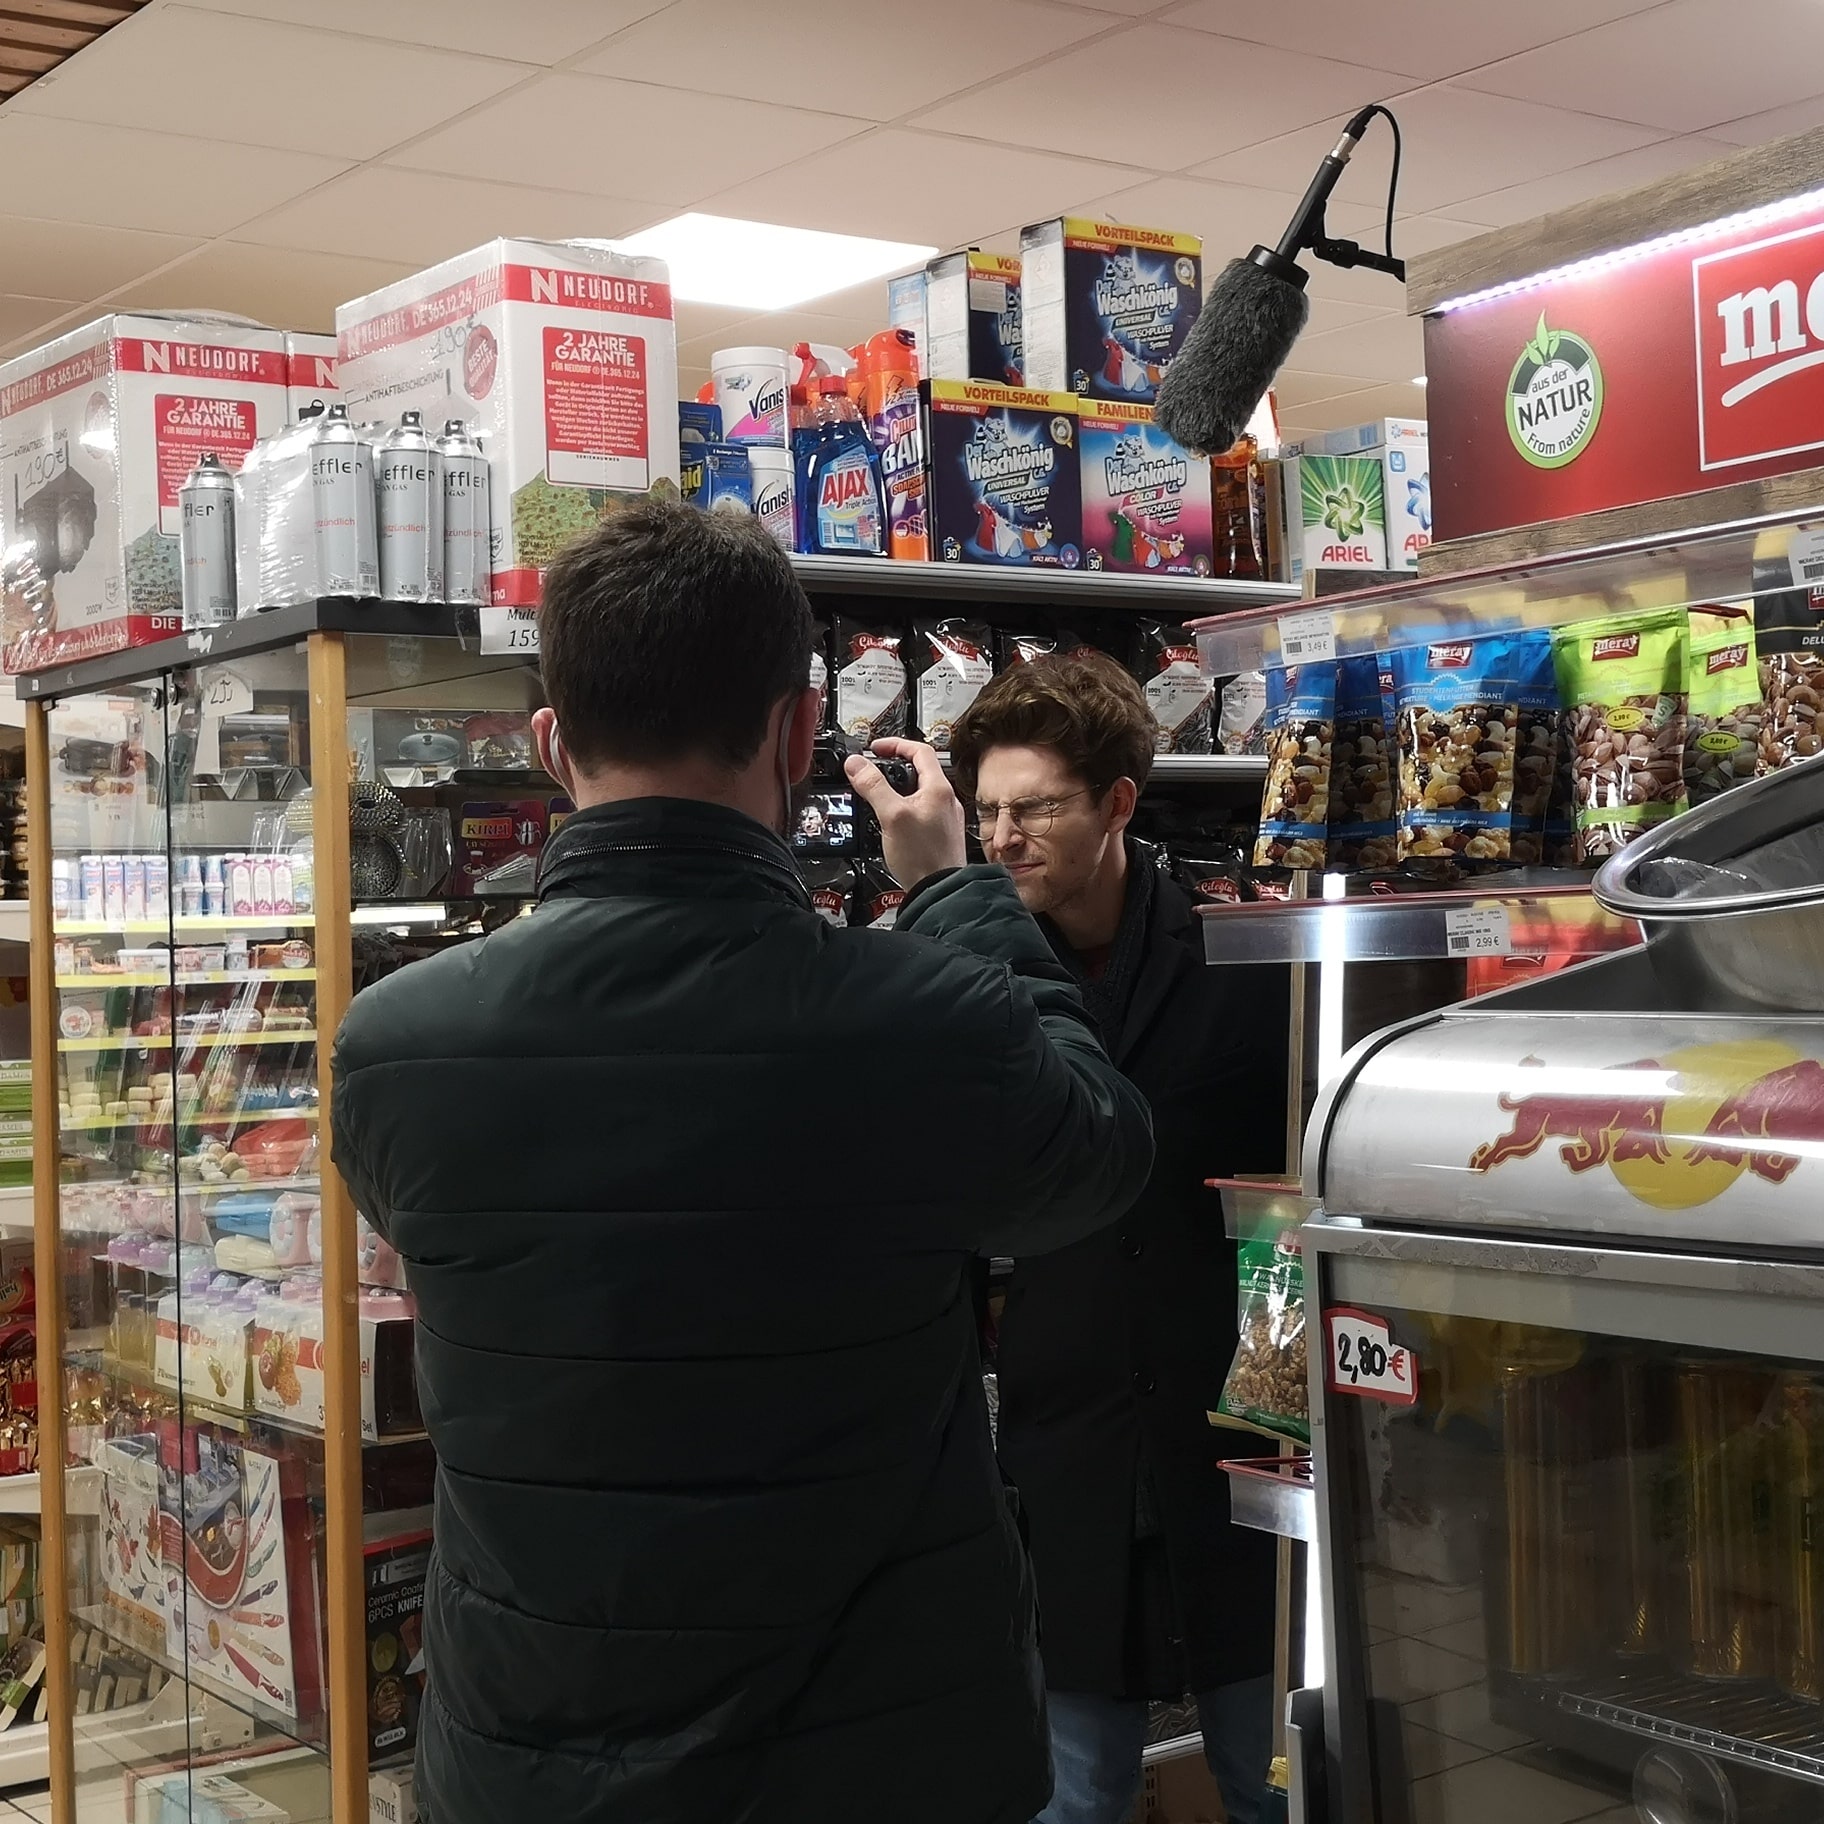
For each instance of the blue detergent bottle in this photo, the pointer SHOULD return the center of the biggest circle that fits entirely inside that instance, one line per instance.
(842, 508)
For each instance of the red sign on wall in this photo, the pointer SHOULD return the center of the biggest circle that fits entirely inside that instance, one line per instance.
(1632, 378)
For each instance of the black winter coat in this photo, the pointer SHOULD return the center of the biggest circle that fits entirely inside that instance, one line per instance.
(1112, 1352)
(687, 1183)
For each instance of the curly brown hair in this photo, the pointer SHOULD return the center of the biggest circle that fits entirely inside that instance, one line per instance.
(1085, 706)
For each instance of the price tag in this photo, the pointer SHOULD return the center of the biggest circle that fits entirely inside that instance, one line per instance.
(1806, 557)
(1478, 931)
(1307, 639)
(510, 630)
(1365, 1360)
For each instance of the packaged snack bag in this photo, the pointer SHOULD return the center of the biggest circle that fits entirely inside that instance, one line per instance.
(950, 663)
(1266, 1385)
(1789, 641)
(1622, 680)
(871, 690)
(1723, 703)
(1536, 746)
(1363, 833)
(1295, 807)
(1177, 692)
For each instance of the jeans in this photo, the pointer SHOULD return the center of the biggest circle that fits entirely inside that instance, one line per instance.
(1097, 1742)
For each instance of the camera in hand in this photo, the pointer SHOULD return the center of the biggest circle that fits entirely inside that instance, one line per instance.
(833, 818)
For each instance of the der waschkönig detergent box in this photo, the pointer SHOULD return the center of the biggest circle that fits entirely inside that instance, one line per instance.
(1005, 483)
(1106, 306)
(1146, 499)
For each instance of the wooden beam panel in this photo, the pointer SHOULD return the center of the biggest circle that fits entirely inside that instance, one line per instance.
(20, 28)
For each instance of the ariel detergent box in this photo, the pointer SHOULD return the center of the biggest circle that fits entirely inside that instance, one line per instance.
(1336, 514)
(1402, 446)
(561, 355)
(98, 431)
(1105, 306)
(1146, 499)
(1005, 486)
(972, 319)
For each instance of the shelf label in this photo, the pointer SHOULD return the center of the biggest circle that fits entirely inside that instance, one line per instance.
(1805, 555)
(1364, 1359)
(1309, 638)
(1478, 931)
(512, 630)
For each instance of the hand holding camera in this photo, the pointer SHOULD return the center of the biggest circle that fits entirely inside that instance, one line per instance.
(921, 818)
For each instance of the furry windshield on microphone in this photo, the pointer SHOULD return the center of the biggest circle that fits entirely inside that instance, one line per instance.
(1240, 341)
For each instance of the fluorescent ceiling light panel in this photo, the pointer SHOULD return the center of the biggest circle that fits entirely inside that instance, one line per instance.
(716, 259)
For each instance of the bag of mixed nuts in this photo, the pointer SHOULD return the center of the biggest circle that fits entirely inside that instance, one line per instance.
(1363, 833)
(1723, 703)
(1623, 684)
(1266, 1385)
(1295, 807)
(1538, 744)
(1789, 640)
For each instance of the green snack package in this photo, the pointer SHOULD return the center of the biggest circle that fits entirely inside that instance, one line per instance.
(1723, 735)
(1622, 683)
(1266, 1386)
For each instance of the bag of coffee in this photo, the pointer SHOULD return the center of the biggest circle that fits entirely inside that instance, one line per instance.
(831, 885)
(1177, 692)
(1241, 722)
(878, 897)
(950, 663)
(1029, 648)
(820, 668)
(871, 684)
(1211, 876)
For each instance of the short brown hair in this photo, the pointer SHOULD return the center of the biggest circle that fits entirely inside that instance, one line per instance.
(669, 634)
(1085, 706)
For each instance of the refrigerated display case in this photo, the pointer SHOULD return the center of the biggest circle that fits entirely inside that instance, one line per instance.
(1566, 1284)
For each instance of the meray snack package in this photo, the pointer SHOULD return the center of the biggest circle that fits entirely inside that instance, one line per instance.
(1363, 833)
(1724, 703)
(1295, 806)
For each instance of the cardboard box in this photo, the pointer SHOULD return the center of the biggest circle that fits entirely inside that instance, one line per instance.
(389, 1796)
(97, 432)
(561, 355)
(1403, 448)
(1335, 514)
(1006, 483)
(972, 319)
(393, 1576)
(310, 372)
(1106, 306)
(287, 1348)
(1146, 499)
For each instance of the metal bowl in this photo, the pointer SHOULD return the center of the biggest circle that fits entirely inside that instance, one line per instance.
(1731, 896)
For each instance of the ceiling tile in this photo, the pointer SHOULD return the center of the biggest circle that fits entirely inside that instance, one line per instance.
(965, 191)
(1243, 92)
(1775, 123)
(654, 144)
(73, 260)
(1231, 218)
(28, 319)
(260, 84)
(1299, 387)
(1520, 202)
(163, 182)
(1382, 348)
(385, 212)
(714, 326)
(1429, 38)
(529, 31)
(287, 290)
(760, 51)
(1682, 67)
(1458, 143)
(1401, 400)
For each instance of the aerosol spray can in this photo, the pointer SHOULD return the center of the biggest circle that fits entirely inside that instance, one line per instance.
(466, 567)
(410, 500)
(335, 493)
(206, 543)
(367, 442)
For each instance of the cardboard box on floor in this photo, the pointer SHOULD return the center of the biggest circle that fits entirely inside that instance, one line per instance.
(1181, 1791)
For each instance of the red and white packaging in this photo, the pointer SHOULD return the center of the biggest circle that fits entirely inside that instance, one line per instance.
(310, 372)
(97, 432)
(562, 357)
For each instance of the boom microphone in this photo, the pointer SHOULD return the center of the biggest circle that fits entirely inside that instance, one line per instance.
(1255, 312)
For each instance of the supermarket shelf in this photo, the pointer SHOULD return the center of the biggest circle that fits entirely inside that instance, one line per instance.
(1274, 1496)
(207, 921)
(988, 584)
(196, 1409)
(215, 978)
(1532, 912)
(15, 921)
(135, 1733)
(1190, 769)
(108, 1123)
(25, 1494)
(188, 1041)
(16, 1206)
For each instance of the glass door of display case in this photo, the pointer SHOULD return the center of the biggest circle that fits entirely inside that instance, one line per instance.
(189, 1302)
(1575, 1570)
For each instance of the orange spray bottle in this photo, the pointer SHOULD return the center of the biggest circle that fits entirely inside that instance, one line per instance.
(890, 409)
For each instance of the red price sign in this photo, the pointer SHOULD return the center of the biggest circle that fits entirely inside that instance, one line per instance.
(1364, 1359)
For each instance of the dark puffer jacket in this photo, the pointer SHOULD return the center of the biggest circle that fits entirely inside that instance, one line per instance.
(687, 1183)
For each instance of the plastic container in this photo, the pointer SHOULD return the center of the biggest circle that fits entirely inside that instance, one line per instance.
(773, 493)
(841, 508)
(751, 388)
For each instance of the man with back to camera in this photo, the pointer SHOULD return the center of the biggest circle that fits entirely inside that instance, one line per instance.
(688, 1185)
(1114, 1350)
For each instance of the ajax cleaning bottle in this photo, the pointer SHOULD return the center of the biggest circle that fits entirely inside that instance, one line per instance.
(841, 507)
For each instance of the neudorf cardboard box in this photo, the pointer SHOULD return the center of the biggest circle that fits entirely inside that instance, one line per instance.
(97, 432)
(310, 371)
(560, 355)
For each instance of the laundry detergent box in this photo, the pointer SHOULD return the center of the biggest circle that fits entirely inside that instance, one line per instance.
(1106, 307)
(98, 431)
(1402, 446)
(561, 355)
(1336, 515)
(310, 372)
(1146, 500)
(972, 319)
(1005, 482)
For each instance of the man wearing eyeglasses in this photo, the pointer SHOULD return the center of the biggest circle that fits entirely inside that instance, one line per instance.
(1113, 1350)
